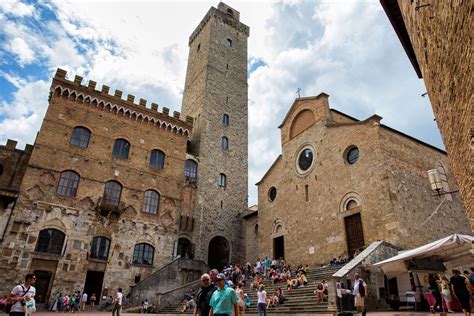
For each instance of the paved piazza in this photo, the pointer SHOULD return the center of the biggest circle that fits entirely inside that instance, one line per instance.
(268, 313)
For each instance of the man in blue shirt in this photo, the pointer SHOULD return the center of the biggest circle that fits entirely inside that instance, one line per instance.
(224, 299)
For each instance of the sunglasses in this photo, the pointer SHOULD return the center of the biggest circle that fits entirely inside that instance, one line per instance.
(205, 280)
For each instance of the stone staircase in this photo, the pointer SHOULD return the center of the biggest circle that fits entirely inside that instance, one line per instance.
(301, 300)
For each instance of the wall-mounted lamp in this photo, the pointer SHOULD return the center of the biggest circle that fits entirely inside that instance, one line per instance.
(436, 183)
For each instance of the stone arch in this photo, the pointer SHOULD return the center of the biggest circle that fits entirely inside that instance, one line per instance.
(218, 252)
(302, 121)
(348, 200)
(57, 91)
(146, 238)
(185, 247)
(105, 231)
(55, 223)
(278, 228)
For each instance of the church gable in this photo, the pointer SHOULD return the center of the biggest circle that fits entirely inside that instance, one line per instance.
(303, 120)
(303, 114)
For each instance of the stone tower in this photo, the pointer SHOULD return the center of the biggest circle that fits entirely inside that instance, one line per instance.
(215, 95)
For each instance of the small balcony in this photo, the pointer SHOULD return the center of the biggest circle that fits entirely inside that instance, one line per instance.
(110, 209)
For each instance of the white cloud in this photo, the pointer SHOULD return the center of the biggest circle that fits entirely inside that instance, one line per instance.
(16, 8)
(346, 49)
(23, 116)
(18, 47)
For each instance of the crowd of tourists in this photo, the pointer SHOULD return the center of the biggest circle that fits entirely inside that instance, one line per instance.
(444, 287)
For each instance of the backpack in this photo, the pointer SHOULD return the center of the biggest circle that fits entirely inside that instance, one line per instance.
(361, 288)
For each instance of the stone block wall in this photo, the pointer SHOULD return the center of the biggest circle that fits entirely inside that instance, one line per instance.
(441, 35)
(80, 218)
(388, 183)
(216, 84)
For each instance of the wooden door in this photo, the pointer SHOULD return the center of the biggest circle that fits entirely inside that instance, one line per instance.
(354, 233)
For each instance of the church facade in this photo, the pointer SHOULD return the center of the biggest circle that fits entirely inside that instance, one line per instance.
(113, 188)
(340, 184)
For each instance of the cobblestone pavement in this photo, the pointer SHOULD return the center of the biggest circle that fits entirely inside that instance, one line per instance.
(389, 313)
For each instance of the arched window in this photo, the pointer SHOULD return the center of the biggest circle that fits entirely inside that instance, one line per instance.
(225, 143)
(157, 159)
(151, 202)
(121, 149)
(222, 180)
(190, 169)
(50, 241)
(225, 119)
(185, 248)
(230, 12)
(143, 254)
(68, 183)
(100, 248)
(80, 137)
(351, 205)
(1, 170)
(229, 42)
(112, 193)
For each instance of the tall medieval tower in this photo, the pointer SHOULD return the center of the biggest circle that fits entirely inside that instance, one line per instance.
(215, 95)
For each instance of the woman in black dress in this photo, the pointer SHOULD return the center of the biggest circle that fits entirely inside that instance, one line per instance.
(458, 284)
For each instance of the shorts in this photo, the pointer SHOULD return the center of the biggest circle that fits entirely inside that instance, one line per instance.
(359, 301)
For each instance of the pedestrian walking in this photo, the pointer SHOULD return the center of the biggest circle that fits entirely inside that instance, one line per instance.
(203, 297)
(20, 295)
(224, 299)
(262, 300)
(459, 285)
(360, 292)
(83, 301)
(117, 302)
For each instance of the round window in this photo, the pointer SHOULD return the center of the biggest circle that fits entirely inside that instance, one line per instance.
(352, 155)
(272, 194)
(305, 159)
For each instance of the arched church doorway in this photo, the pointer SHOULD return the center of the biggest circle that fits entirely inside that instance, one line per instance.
(219, 251)
(185, 249)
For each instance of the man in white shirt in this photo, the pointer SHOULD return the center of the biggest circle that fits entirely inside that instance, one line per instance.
(117, 302)
(21, 294)
(360, 292)
(83, 301)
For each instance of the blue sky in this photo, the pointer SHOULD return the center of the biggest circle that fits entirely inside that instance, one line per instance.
(344, 48)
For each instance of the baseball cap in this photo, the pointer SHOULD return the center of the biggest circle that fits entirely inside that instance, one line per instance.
(220, 276)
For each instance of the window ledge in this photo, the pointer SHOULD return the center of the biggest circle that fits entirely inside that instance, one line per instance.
(142, 265)
(98, 260)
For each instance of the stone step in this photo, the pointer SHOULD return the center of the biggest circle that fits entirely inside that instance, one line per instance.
(301, 300)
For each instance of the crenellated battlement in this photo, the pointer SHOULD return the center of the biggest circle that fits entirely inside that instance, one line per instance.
(11, 145)
(63, 87)
(226, 15)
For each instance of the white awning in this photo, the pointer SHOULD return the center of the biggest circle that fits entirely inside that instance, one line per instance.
(454, 250)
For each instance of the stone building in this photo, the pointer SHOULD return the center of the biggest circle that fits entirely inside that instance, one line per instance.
(13, 163)
(215, 94)
(115, 190)
(437, 37)
(341, 183)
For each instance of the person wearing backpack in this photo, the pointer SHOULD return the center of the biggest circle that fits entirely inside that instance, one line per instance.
(360, 292)
(20, 295)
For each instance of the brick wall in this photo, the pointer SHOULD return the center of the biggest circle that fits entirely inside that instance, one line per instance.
(441, 35)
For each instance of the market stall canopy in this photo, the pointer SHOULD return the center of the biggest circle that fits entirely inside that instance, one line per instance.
(454, 250)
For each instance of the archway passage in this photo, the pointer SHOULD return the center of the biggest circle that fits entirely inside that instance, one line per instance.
(219, 250)
(279, 247)
(93, 285)
(42, 285)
